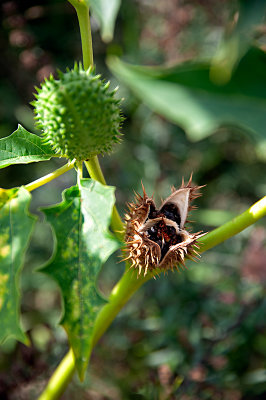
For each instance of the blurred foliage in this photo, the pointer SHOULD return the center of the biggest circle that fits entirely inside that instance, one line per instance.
(186, 95)
(200, 334)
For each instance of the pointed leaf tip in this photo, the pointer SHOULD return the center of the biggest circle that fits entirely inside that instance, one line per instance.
(23, 147)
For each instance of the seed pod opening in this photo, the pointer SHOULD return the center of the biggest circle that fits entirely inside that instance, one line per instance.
(156, 238)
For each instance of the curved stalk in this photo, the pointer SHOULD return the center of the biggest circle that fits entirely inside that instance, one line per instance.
(48, 178)
(83, 15)
(60, 379)
(236, 225)
(94, 169)
(129, 283)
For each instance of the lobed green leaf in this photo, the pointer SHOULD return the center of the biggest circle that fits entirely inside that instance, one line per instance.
(185, 95)
(80, 224)
(23, 147)
(16, 225)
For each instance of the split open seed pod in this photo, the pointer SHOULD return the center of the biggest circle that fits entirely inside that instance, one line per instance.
(156, 238)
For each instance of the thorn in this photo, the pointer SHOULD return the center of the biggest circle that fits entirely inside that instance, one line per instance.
(125, 259)
(190, 179)
(146, 270)
(144, 191)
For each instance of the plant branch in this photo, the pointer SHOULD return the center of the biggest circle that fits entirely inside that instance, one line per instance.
(236, 225)
(129, 283)
(83, 15)
(94, 169)
(60, 379)
(48, 178)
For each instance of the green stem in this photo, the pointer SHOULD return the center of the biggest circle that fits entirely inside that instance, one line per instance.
(79, 172)
(236, 225)
(60, 379)
(129, 283)
(48, 178)
(120, 295)
(94, 169)
(85, 31)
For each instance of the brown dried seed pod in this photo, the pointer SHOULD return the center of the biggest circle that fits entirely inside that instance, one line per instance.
(156, 239)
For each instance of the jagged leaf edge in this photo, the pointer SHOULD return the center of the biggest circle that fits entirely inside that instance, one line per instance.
(24, 338)
(41, 157)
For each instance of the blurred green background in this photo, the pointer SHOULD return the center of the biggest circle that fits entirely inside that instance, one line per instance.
(199, 334)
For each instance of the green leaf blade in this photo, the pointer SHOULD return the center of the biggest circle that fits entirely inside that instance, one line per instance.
(106, 12)
(15, 231)
(234, 46)
(83, 245)
(185, 95)
(23, 147)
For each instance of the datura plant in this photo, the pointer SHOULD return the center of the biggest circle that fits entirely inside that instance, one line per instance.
(79, 118)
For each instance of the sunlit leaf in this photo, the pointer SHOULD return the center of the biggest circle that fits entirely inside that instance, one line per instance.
(236, 43)
(80, 224)
(106, 12)
(185, 95)
(23, 147)
(255, 377)
(16, 226)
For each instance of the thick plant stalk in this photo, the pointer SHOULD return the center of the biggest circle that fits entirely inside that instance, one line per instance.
(236, 225)
(60, 379)
(83, 14)
(129, 283)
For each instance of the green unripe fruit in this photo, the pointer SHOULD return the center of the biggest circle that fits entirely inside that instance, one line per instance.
(77, 114)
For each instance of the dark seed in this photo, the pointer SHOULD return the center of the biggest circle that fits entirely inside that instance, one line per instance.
(164, 250)
(153, 212)
(171, 212)
(153, 233)
(171, 230)
(178, 238)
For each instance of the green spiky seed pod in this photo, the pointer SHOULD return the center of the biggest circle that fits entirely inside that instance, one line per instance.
(77, 114)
